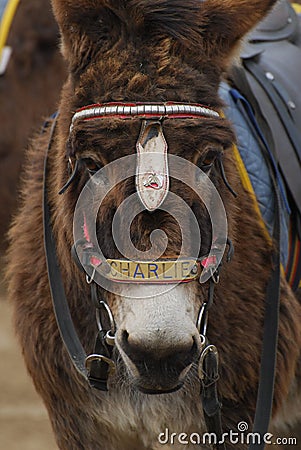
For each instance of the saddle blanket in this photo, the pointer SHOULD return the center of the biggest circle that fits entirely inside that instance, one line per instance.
(3, 4)
(264, 105)
(259, 179)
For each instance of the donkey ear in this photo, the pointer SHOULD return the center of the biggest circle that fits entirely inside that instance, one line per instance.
(81, 27)
(67, 14)
(225, 22)
(70, 11)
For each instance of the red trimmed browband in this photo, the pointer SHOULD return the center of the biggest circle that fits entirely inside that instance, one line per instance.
(144, 110)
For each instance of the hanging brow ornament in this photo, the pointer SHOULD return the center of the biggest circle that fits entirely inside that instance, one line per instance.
(152, 178)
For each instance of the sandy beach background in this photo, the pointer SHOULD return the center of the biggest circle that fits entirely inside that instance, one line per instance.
(24, 423)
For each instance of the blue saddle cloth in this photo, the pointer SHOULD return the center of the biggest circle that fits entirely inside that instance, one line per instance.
(3, 4)
(258, 171)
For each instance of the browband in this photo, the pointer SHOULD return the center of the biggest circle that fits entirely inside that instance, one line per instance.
(124, 110)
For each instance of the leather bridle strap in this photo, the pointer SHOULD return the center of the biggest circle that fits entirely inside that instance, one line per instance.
(208, 371)
(270, 338)
(60, 304)
(272, 300)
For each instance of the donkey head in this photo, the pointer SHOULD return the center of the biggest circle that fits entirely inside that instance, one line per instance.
(160, 53)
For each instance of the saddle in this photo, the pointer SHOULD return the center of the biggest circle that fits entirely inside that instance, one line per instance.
(271, 66)
(268, 81)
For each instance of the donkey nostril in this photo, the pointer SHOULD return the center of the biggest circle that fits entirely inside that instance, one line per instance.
(143, 350)
(195, 350)
(124, 337)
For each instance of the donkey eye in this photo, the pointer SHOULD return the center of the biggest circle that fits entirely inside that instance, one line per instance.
(206, 161)
(91, 166)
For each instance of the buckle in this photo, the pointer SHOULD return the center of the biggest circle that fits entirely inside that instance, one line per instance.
(208, 365)
(99, 367)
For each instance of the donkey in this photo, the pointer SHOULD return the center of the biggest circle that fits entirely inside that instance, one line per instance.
(29, 88)
(137, 74)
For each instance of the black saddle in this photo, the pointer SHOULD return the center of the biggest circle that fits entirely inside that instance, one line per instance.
(270, 78)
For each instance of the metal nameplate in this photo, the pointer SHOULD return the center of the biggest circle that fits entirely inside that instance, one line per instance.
(169, 271)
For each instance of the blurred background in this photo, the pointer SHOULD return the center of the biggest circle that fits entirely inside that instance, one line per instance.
(24, 422)
(31, 75)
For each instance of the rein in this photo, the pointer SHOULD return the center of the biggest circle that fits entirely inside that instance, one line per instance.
(60, 304)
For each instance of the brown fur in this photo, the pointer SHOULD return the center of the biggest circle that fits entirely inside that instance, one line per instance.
(127, 50)
(29, 89)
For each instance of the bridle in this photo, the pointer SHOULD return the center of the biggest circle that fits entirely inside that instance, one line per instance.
(96, 367)
(152, 172)
(151, 115)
